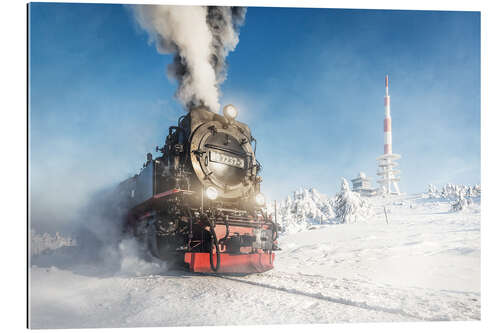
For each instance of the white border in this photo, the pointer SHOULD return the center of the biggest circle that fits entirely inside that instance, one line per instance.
(13, 152)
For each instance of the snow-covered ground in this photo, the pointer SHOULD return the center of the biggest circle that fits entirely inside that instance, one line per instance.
(424, 264)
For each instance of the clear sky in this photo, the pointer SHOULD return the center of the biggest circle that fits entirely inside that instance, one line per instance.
(309, 82)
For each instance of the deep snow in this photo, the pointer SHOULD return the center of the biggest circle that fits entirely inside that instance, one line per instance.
(423, 264)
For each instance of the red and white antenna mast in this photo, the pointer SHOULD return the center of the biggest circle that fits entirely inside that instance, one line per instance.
(389, 179)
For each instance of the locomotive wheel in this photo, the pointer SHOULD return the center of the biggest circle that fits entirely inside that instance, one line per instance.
(156, 244)
(163, 247)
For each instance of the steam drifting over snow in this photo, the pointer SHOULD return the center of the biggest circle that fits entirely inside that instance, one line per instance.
(96, 242)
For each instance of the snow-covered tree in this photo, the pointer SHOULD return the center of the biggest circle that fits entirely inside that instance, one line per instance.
(303, 208)
(349, 206)
(462, 201)
(477, 190)
(452, 191)
(432, 191)
(41, 243)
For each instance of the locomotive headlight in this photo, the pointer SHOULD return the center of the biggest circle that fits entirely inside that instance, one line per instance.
(211, 193)
(260, 199)
(230, 111)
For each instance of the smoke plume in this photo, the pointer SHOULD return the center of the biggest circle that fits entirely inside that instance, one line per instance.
(200, 39)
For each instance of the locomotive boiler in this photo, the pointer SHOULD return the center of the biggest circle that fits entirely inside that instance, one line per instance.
(199, 202)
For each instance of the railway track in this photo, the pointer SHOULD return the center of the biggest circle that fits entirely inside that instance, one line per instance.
(316, 295)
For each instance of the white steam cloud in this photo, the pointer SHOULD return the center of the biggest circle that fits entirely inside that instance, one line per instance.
(200, 39)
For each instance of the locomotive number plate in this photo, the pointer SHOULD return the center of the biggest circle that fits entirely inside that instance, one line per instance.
(227, 159)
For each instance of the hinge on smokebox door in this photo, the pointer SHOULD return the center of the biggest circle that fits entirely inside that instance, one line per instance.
(212, 129)
(199, 153)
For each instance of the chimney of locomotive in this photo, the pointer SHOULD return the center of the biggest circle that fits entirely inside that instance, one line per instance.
(389, 175)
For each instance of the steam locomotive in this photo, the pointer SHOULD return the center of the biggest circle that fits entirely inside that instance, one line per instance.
(199, 202)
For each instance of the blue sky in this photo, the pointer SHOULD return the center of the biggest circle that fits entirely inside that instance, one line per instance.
(309, 82)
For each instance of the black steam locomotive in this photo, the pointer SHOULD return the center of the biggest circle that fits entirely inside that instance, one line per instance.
(200, 201)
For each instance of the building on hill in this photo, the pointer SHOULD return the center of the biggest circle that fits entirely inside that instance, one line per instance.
(362, 185)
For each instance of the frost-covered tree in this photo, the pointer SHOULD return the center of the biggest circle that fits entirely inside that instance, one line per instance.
(432, 191)
(304, 208)
(452, 191)
(349, 206)
(477, 190)
(41, 243)
(463, 201)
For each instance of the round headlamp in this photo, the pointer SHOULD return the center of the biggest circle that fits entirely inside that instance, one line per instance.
(230, 111)
(260, 199)
(211, 193)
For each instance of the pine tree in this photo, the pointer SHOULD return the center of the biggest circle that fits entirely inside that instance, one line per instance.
(349, 206)
(462, 202)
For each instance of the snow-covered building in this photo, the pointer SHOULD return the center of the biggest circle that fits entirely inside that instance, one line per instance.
(362, 185)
